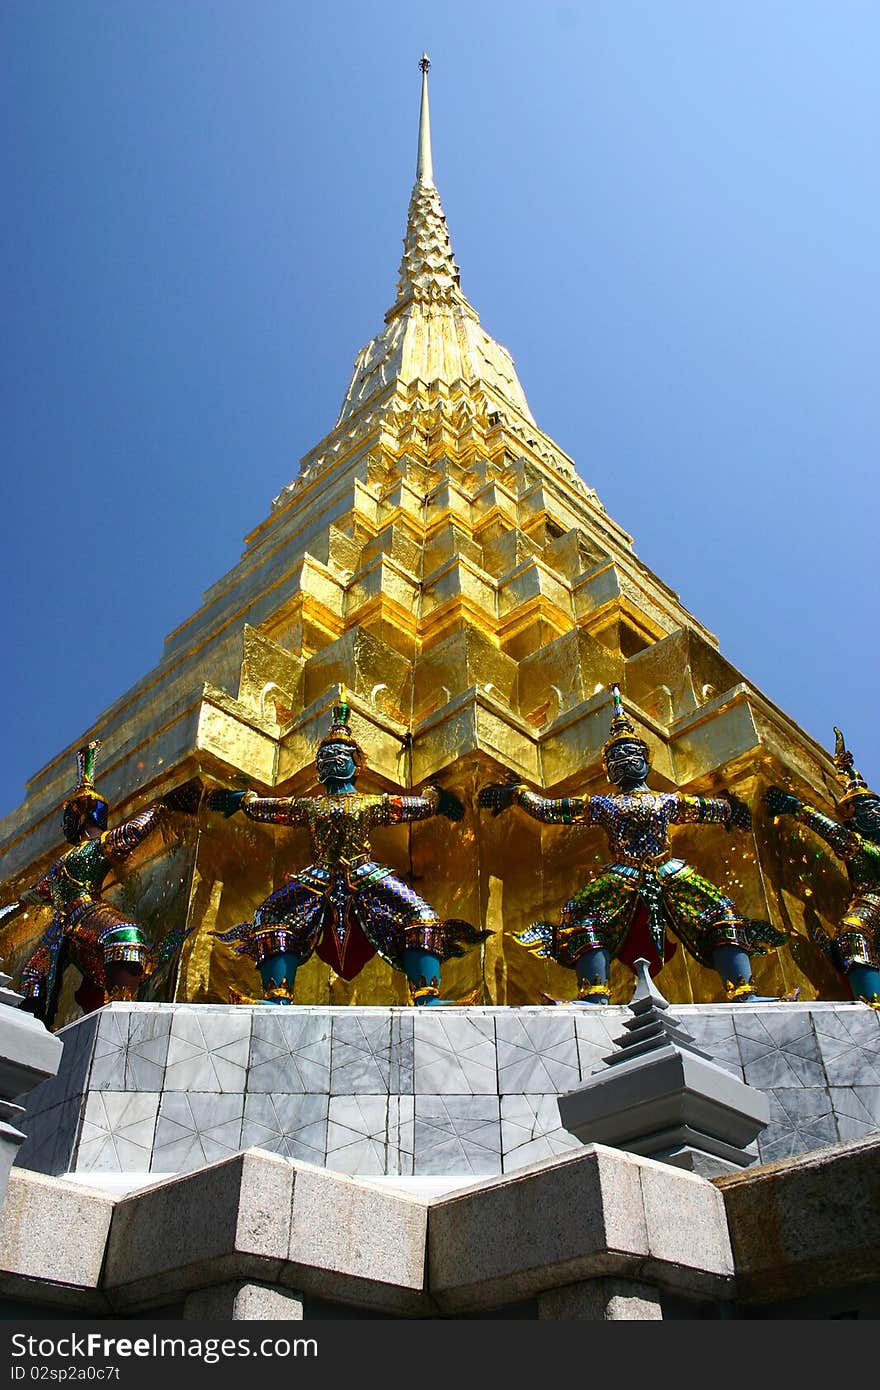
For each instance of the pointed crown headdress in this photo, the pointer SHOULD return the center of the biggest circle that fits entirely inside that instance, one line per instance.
(339, 731)
(84, 793)
(623, 730)
(852, 781)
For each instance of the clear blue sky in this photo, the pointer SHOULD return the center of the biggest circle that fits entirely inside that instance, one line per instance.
(668, 212)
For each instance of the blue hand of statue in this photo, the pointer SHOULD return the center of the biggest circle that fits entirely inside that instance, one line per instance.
(185, 799)
(740, 815)
(781, 803)
(498, 796)
(225, 800)
(449, 805)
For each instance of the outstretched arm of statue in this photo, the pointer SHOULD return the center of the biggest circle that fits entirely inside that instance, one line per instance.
(845, 843)
(433, 801)
(119, 843)
(739, 813)
(276, 810)
(36, 895)
(561, 810)
(726, 809)
(564, 810)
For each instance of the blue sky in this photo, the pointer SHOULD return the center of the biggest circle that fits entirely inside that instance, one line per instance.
(667, 212)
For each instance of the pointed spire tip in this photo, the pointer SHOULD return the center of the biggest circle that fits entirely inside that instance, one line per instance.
(424, 163)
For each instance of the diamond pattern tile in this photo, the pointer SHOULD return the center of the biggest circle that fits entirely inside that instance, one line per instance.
(778, 1048)
(360, 1057)
(457, 1135)
(208, 1051)
(290, 1053)
(536, 1055)
(801, 1119)
(292, 1125)
(117, 1132)
(357, 1134)
(454, 1055)
(195, 1128)
(531, 1131)
(849, 1043)
(111, 1046)
(857, 1110)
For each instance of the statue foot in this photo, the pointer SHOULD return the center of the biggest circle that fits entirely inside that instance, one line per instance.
(743, 992)
(789, 998)
(596, 999)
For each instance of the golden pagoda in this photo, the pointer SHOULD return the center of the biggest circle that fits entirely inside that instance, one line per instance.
(440, 556)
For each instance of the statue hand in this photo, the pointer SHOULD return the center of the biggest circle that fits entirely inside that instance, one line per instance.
(448, 804)
(498, 795)
(29, 897)
(186, 798)
(225, 800)
(740, 814)
(781, 803)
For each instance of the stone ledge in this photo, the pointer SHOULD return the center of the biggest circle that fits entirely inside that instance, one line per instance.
(803, 1226)
(591, 1214)
(53, 1237)
(807, 1224)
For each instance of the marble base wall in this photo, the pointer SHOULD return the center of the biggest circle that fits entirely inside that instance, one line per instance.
(166, 1088)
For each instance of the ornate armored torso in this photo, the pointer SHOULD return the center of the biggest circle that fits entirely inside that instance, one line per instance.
(76, 877)
(636, 823)
(340, 823)
(864, 866)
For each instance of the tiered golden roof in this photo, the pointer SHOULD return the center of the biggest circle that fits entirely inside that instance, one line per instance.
(440, 556)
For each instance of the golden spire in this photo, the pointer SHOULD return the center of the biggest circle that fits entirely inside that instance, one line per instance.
(424, 164)
(428, 272)
(433, 333)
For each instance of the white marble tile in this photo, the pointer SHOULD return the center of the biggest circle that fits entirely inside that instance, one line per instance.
(856, 1109)
(108, 1057)
(196, 1128)
(79, 1044)
(595, 1028)
(292, 1125)
(778, 1047)
(849, 1044)
(454, 1056)
(715, 1035)
(531, 1131)
(537, 1055)
(290, 1053)
(401, 1135)
(801, 1120)
(49, 1138)
(117, 1132)
(147, 1052)
(357, 1133)
(457, 1135)
(47, 1096)
(208, 1052)
(400, 1062)
(360, 1054)
(67, 1135)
